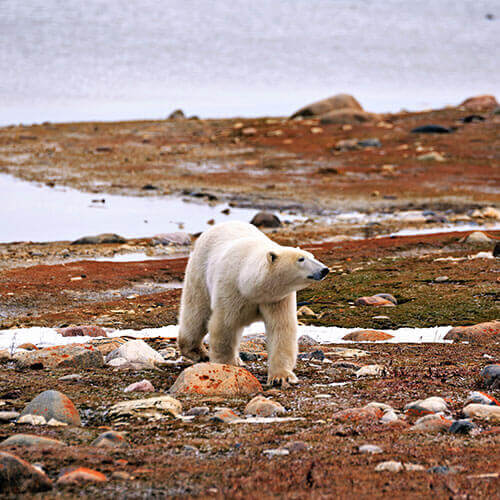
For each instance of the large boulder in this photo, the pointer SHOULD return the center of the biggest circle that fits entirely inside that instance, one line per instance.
(53, 405)
(334, 103)
(482, 332)
(480, 103)
(347, 117)
(18, 476)
(30, 440)
(213, 379)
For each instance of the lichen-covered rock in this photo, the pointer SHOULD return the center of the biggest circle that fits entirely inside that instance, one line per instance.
(367, 336)
(374, 300)
(81, 475)
(264, 407)
(18, 476)
(111, 439)
(481, 398)
(482, 332)
(365, 414)
(53, 405)
(29, 440)
(213, 379)
(79, 356)
(432, 423)
(224, 415)
(480, 103)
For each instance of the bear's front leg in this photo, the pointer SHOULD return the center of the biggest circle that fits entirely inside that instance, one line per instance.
(280, 319)
(224, 340)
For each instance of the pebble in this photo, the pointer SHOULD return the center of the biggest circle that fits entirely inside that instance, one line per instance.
(277, 452)
(432, 156)
(53, 405)
(441, 279)
(483, 412)
(6, 416)
(371, 370)
(370, 448)
(74, 377)
(213, 379)
(142, 386)
(389, 466)
(29, 440)
(296, 446)
(111, 439)
(18, 476)
(462, 427)
(100, 239)
(264, 407)
(81, 475)
(137, 354)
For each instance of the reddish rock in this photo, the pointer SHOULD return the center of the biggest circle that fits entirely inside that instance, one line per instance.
(347, 117)
(81, 475)
(334, 103)
(367, 335)
(18, 476)
(432, 423)
(28, 346)
(213, 379)
(482, 332)
(142, 386)
(225, 415)
(53, 404)
(105, 346)
(374, 300)
(366, 414)
(79, 356)
(81, 331)
(480, 103)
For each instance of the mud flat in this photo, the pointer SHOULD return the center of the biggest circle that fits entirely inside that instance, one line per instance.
(342, 206)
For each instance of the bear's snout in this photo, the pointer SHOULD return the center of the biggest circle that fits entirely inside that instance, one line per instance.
(319, 275)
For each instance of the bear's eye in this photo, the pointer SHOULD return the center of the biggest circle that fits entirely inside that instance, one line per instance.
(301, 259)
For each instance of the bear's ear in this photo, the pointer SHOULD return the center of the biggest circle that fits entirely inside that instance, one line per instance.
(271, 256)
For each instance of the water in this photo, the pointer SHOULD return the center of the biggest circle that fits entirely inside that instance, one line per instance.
(75, 60)
(31, 212)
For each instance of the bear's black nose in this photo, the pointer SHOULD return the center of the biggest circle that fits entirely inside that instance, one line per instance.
(324, 272)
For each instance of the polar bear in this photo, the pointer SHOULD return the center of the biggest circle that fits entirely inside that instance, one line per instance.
(236, 275)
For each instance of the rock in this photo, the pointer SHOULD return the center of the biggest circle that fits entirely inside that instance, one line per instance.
(389, 417)
(18, 476)
(432, 156)
(382, 406)
(53, 404)
(472, 119)
(77, 356)
(307, 340)
(462, 427)
(28, 346)
(432, 423)
(365, 414)
(84, 330)
(7, 416)
(478, 238)
(370, 143)
(371, 371)
(369, 448)
(224, 415)
(74, 377)
(152, 407)
(367, 336)
(482, 332)
(100, 239)
(177, 238)
(374, 300)
(389, 466)
(81, 475)
(347, 145)
(441, 469)
(483, 412)
(496, 250)
(491, 376)
(480, 103)
(481, 398)
(213, 379)
(32, 420)
(347, 116)
(336, 102)
(413, 467)
(486, 213)
(177, 114)
(306, 311)
(111, 439)
(276, 452)
(296, 446)
(265, 219)
(105, 346)
(431, 129)
(434, 404)
(137, 355)
(29, 440)
(4, 355)
(198, 411)
(316, 354)
(142, 386)
(264, 407)
(248, 131)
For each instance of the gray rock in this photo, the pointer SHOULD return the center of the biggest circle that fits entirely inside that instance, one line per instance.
(198, 411)
(53, 404)
(100, 239)
(370, 448)
(265, 219)
(111, 439)
(6, 416)
(491, 376)
(307, 340)
(29, 440)
(462, 427)
(18, 476)
(370, 143)
(177, 238)
(177, 114)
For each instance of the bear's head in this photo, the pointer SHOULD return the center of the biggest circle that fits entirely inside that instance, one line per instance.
(291, 269)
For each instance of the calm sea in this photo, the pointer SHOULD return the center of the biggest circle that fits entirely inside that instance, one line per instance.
(64, 60)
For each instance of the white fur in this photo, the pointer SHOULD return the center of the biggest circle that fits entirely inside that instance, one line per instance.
(236, 275)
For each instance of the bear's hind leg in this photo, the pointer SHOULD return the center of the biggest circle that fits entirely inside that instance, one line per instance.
(224, 341)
